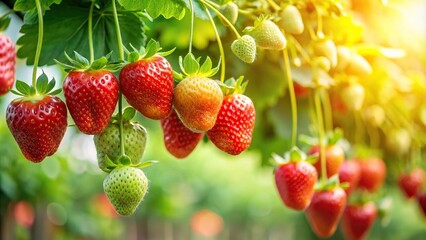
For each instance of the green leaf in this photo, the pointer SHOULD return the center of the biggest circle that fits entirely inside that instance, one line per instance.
(152, 48)
(23, 87)
(155, 8)
(26, 5)
(207, 66)
(145, 164)
(129, 113)
(56, 92)
(42, 83)
(51, 85)
(80, 59)
(74, 37)
(99, 63)
(4, 22)
(190, 64)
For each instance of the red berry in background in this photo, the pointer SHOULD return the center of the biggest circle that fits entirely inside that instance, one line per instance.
(38, 124)
(147, 85)
(334, 157)
(411, 183)
(301, 91)
(373, 173)
(357, 220)
(295, 181)
(179, 140)
(91, 97)
(350, 172)
(232, 132)
(325, 210)
(24, 213)
(7, 64)
(421, 199)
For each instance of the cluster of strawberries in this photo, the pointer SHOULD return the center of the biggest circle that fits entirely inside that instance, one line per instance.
(302, 186)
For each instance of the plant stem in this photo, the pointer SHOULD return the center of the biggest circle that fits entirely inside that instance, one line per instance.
(293, 101)
(321, 134)
(120, 97)
(39, 42)
(90, 31)
(299, 48)
(191, 33)
(219, 43)
(274, 5)
(222, 17)
(327, 111)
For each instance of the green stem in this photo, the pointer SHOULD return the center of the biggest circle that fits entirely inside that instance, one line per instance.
(191, 34)
(327, 111)
(39, 42)
(219, 43)
(222, 17)
(274, 5)
(299, 48)
(92, 52)
(120, 97)
(321, 134)
(293, 101)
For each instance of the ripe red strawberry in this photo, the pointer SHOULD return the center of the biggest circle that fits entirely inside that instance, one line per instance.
(350, 172)
(7, 64)
(234, 125)
(325, 210)
(411, 183)
(373, 172)
(421, 199)
(179, 140)
(147, 85)
(197, 101)
(357, 220)
(334, 157)
(91, 97)
(295, 181)
(38, 124)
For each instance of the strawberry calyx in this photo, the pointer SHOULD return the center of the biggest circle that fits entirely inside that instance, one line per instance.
(4, 22)
(257, 23)
(152, 48)
(35, 93)
(232, 86)
(191, 66)
(125, 161)
(128, 114)
(326, 185)
(331, 138)
(80, 63)
(295, 155)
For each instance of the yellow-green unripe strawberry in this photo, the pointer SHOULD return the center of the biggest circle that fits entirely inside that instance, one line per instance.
(197, 101)
(244, 48)
(125, 188)
(358, 65)
(326, 48)
(108, 143)
(230, 11)
(291, 20)
(267, 35)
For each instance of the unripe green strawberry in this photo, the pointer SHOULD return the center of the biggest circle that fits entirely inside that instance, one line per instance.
(244, 48)
(197, 101)
(326, 48)
(125, 188)
(108, 143)
(267, 35)
(343, 58)
(291, 20)
(230, 11)
(353, 96)
(358, 65)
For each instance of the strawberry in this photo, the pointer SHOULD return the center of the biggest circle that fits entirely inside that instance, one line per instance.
(179, 140)
(108, 143)
(147, 83)
(357, 220)
(125, 188)
(373, 172)
(350, 172)
(358, 65)
(334, 157)
(91, 93)
(197, 98)
(411, 183)
(326, 48)
(267, 34)
(234, 125)
(291, 20)
(230, 11)
(295, 179)
(7, 64)
(38, 124)
(244, 48)
(325, 210)
(301, 91)
(421, 200)
(91, 98)
(353, 96)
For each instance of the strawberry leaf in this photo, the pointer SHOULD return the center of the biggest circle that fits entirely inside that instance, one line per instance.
(74, 37)
(23, 87)
(99, 63)
(4, 22)
(26, 5)
(129, 113)
(155, 8)
(190, 64)
(42, 82)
